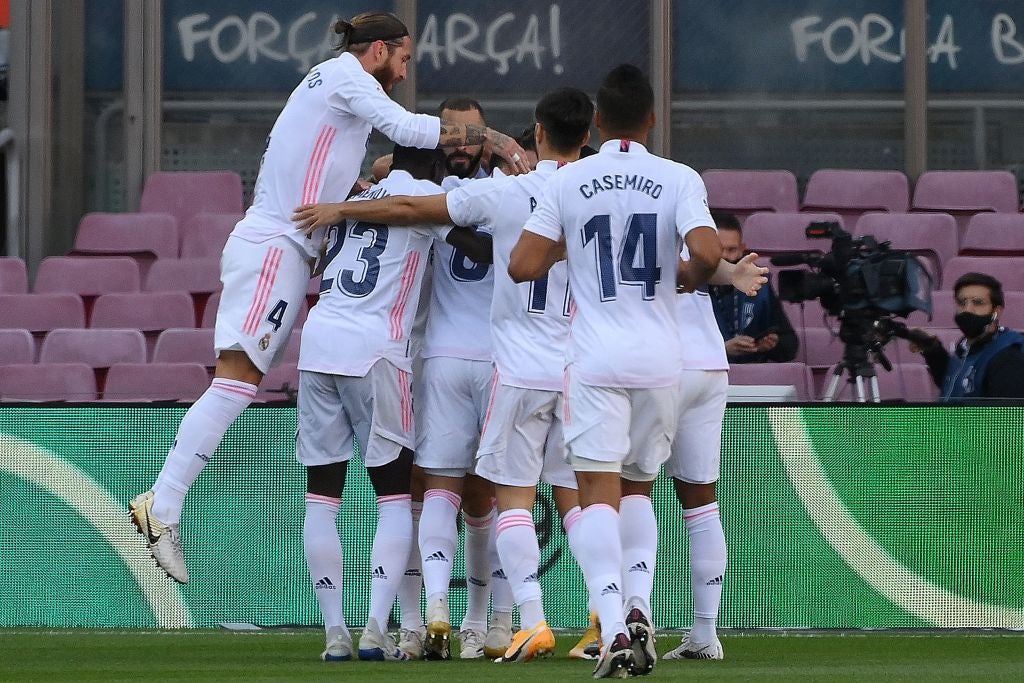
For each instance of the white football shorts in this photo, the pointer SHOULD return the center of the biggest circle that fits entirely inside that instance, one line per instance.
(264, 288)
(614, 429)
(522, 442)
(697, 449)
(375, 409)
(455, 393)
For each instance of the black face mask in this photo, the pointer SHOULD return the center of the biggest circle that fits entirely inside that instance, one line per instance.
(972, 324)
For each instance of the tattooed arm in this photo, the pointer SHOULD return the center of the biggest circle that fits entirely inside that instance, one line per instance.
(457, 134)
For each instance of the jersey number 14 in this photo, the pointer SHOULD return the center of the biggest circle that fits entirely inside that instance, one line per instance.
(638, 254)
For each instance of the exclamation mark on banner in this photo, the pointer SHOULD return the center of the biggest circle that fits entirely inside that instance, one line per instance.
(556, 38)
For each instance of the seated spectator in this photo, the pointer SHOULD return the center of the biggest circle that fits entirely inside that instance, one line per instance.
(755, 328)
(989, 361)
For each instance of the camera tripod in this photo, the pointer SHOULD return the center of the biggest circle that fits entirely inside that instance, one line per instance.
(863, 339)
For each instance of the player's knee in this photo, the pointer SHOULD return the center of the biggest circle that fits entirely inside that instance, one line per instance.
(238, 366)
(692, 495)
(392, 478)
(326, 480)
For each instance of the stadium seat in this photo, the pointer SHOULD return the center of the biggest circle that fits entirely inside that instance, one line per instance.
(994, 234)
(155, 382)
(820, 348)
(279, 384)
(965, 193)
(13, 276)
(145, 311)
(145, 236)
(200, 277)
(47, 382)
(16, 346)
(796, 375)
(41, 312)
(87, 277)
(185, 345)
(204, 235)
(806, 314)
(852, 193)
(933, 236)
(769, 233)
(98, 349)
(291, 352)
(906, 382)
(745, 192)
(1006, 269)
(944, 308)
(183, 194)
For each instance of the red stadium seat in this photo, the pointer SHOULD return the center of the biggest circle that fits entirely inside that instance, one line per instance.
(13, 276)
(16, 346)
(155, 382)
(184, 194)
(770, 233)
(144, 235)
(204, 235)
(96, 348)
(745, 192)
(185, 345)
(88, 277)
(41, 312)
(47, 382)
(994, 234)
(796, 375)
(852, 193)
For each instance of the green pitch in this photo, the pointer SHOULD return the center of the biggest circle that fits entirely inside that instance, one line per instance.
(144, 657)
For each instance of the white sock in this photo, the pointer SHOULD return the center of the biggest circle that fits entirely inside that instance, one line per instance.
(199, 434)
(502, 600)
(601, 560)
(323, 556)
(638, 529)
(708, 558)
(438, 540)
(520, 556)
(390, 554)
(411, 585)
(478, 570)
(572, 534)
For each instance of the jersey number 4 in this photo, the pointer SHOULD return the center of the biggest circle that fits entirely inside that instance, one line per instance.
(369, 256)
(638, 254)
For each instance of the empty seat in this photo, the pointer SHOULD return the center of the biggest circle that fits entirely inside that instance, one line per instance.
(205, 234)
(906, 382)
(47, 382)
(146, 235)
(96, 348)
(852, 193)
(943, 309)
(281, 383)
(1006, 269)
(819, 348)
(155, 382)
(994, 234)
(87, 276)
(16, 346)
(41, 312)
(933, 236)
(183, 194)
(744, 192)
(769, 233)
(192, 275)
(796, 375)
(146, 311)
(185, 345)
(13, 276)
(807, 314)
(965, 193)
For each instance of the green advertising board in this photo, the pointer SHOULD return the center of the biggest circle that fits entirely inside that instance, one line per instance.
(836, 517)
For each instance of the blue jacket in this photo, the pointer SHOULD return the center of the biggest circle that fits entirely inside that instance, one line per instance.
(970, 373)
(738, 313)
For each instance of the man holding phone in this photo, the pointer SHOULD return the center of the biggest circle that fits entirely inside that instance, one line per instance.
(755, 328)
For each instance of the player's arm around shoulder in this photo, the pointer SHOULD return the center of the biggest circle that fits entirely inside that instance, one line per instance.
(398, 210)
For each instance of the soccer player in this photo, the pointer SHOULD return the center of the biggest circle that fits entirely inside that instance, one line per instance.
(354, 367)
(522, 442)
(313, 153)
(620, 216)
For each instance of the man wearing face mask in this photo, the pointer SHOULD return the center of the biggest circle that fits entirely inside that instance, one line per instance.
(988, 362)
(755, 328)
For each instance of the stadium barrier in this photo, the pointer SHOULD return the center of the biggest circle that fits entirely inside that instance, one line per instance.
(837, 517)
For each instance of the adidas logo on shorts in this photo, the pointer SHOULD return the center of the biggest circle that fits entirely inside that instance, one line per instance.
(325, 584)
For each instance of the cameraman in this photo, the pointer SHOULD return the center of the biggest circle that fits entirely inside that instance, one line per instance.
(988, 362)
(755, 329)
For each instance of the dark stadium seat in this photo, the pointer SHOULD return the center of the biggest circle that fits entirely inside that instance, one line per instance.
(16, 346)
(185, 345)
(769, 233)
(279, 384)
(994, 234)
(205, 234)
(184, 194)
(1008, 270)
(41, 312)
(852, 193)
(87, 277)
(96, 348)
(745, 192)
(13, 276)
(796, 375)
(933, 236)
(155, 382)
(47, 382)
(143, 235)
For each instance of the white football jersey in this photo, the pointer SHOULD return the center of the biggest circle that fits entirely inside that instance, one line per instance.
(316, 147)
(623, 213)
(703, 346)
(529, 321)
(458, 325)
(369, 289)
